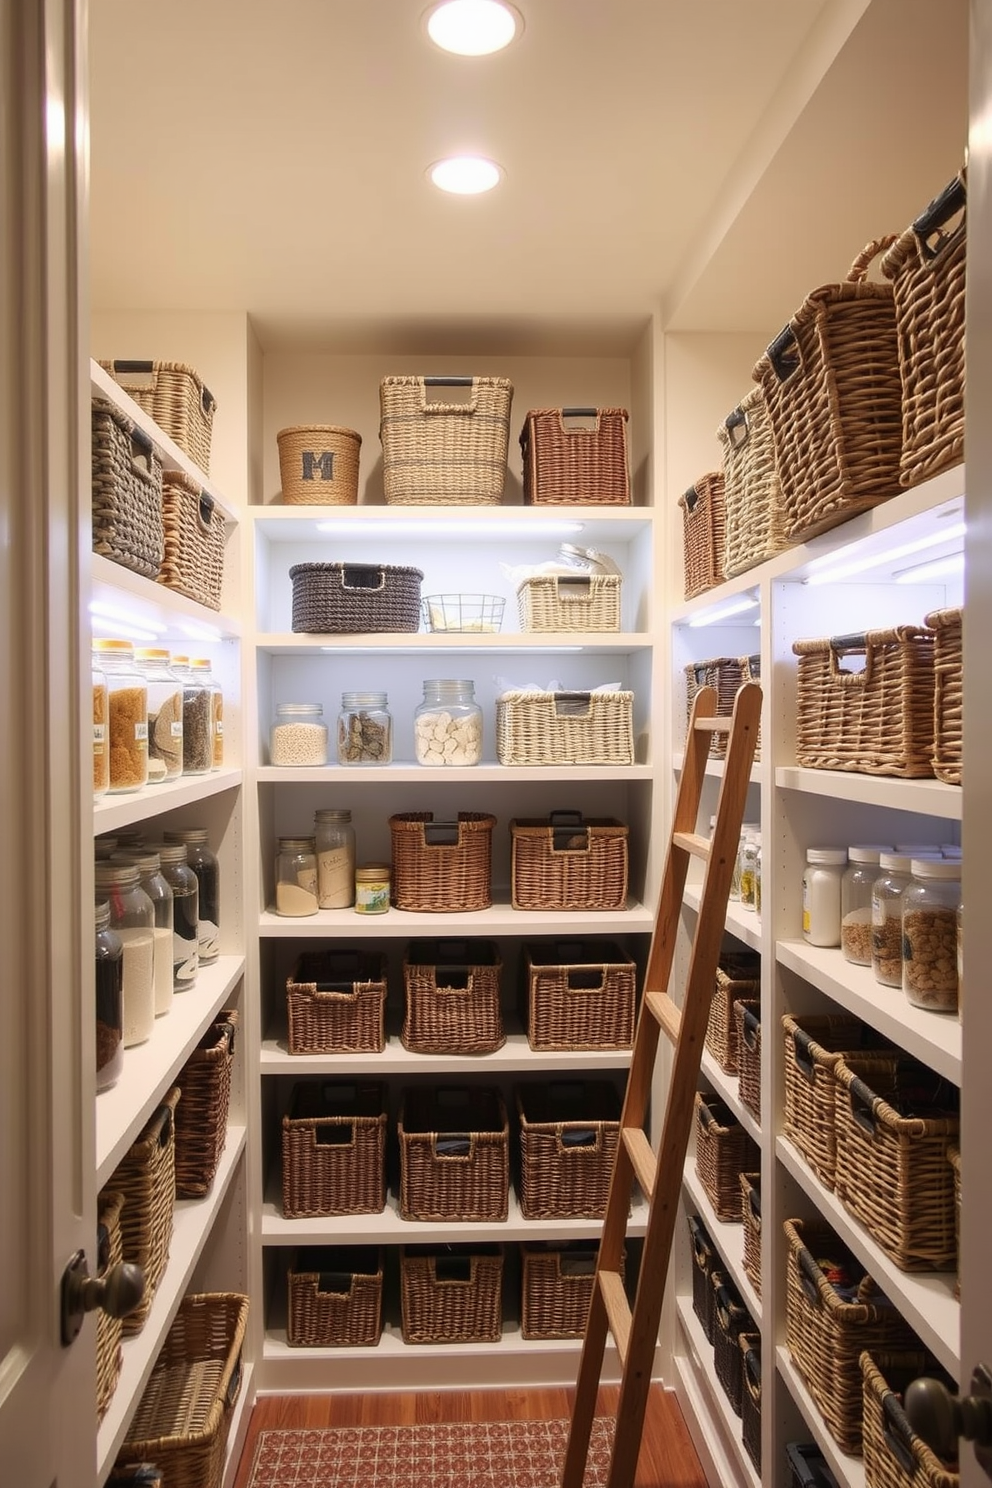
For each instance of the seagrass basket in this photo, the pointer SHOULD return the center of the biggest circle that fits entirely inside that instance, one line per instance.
(335, 1297)
(565, 728)
(747, 1014)
(813, 1045)
(146, 1176)
(442, 867)
(738, 974)
(704, 1261)
(451, 1293)
(334, 1150)
(569, 1134)
(575, 457)
(175, 397)
(724, 1150)
(751, 1218)
(704, 534)
(444, 453)
(355, 598)
(750, 1347)
(726, 674)
(454, 1154)
(948, 699)
(110, 1253)
(808, 1466)
(567, 861)
(452, 992)
(126, 492)
(318, 465)
(335, 1001)
(557, 1278)
(193, 532)
(954, 1158)
(136, 1475)
(895, 1457)
(570, 603)
(730, 1319)
(754, 512)
(580, 994)
(201, 1116)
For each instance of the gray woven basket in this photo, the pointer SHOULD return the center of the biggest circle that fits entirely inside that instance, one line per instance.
(127, 492)
(355, 598)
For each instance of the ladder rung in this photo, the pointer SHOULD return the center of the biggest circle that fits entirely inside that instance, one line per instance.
(667, 1014)
(716, 725)
(642, 1158)
(692, 842)
(617, 1310)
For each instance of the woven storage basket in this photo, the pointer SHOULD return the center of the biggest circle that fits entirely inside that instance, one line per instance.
(813, 1045)
(126, 492)
(110, 1253)
(146, 1176)
(730, 1319)
(724, 1150)
(877, 721)
(747, 1015)
(895, 1457)
(318, 465)
(194, 532)
(575, 457)
(832, 387)
(452, 997)
(948, 699)
(738, 974)
(451, 1293)
(704, 1259)
(569, 1134)
(183, 1418)
(442, 867)
(754, 513)
(355, 598)
(954, 1158)
(556, 1286)
(444, 453)
(894, 1128)
(808, 1466)
(751, 1218)
(137, 1475)
(454, 1154)
(336, 1000)
(563, 602)
(335, 1297)
(750, 1347)
(726, 674)
(825, 1334)
(174, 396)
(566, 861)
(581, 994)
(565, 728)
(201, 1116)
(926, 265)
(334, 1150)
(704, 534)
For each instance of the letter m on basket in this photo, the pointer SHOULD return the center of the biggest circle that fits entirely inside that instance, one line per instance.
(318, 467)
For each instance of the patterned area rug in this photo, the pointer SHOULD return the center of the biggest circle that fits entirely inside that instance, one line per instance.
(463, 1454)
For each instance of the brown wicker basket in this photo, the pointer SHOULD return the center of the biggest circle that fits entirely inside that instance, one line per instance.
(832, 388)
(451, 1293)
(704, 534)
(704, 1262)
(567, 861)
(569, 1134)
(557, 1279)
(754, 513)
(926, 265)
(813, 1045)
(575, 457)
(452, 997)
(318, 465)
(355, 598)
(110, 1253)
(336, 1000)
(895, 1457)
(724, 1150)
(875, 721)
(726, 674)
(146, 1176)
(565, 728)
(581, 994)
(335, 1297)
(126, 492)
(442, 867)
(751, 1217)
(954, 1158)
(738, 974)
(201, 1116)
(183, 1418)
(748, 1018)
(137, 1475)
(454, 1154)
(174, 396)
(570, 603)
(438, 453)
(334, 1150)
(948, 700)
(194, 532)
(750, 1347)
(808, 1466)
(730, 1319)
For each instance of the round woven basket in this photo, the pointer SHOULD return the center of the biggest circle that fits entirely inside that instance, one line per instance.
(318, 465)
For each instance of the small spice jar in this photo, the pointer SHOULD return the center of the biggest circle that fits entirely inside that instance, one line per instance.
(204, 864)
(372, 888)
(133, 918)
(447, 726)
(299, 735)
(335, 841)
(101, 748)
(821, 894)
(159, 891)
(296, 877)
(365, 729)
(127, 715)
(201, 668)
(185, 913)
(165, 713)
(855, 901)
(929, 934)
(109, 1000)
(197, 745)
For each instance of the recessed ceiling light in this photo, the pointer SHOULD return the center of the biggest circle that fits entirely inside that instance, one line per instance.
(473, 28)
(466, 175)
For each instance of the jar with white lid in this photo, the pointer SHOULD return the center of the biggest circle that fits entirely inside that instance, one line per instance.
(365, 729)
(299, 735)
(821, 894)
(127, 715)
(855, 901)
(447, 726)
(929, 934)
(165, 713)
(296, 877)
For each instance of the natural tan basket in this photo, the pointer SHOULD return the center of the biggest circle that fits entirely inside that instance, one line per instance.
(569, 1134)
(444, 453)
(726, 674)
(194, 532)
(750, 1347)
(754, 513)
(335, 1297)
(442, 867)
(575, 457)
(704, 1259)
(948, 700)
(201, 1116)
(452, 997)
(738, 974)
(813, 1045)
(704, 534)
(751, 1217)
(334, 1150)
(336, 1002)
(747, 1015)
(565, 728)
(876, 721)
(451, 1293)
(954, 1158)
(175, 397)
(318, 465)
(730, 1319)
(454, 1154)
(832, 387)
(581, 994)
(146, 1176)
(110, 1253)
(126, 492)
(570, 603)
(724, 1150)
(895, 1457)
(557, 1279)
(567, 861)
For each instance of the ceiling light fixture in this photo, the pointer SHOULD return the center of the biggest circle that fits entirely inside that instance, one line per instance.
(925, 573)
(830, 571)
(723, 612)
(473, 28)
(465, 175)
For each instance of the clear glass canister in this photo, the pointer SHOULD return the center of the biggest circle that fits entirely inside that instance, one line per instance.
(101, 748)
(202, 669)
(159, 891)
(132, 916)
(447, 726)
(109, 1000)
(821, 894)
(165, 713)
(757, 877)
(747, 856)
(335, 841)
(197, 744)
(886, 916)
(855, 901)
(185, 913)
(296, 876)
(372, 888)
(127, 715)
(365, 729)
(207, 870)
(299, 735)
(929, 934)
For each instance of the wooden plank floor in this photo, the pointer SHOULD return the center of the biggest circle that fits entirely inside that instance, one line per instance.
(667, 1458)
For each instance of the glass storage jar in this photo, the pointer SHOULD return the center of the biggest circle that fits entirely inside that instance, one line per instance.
(185, 913)
(296, 876)
(447, 726)
(109, 1000)
(886, 916)
(365, 729)
(299, 735)
(127, 715)
(372, 888)
(929, 934)
(821, 894)
(748, 858)
(335, 842)
(855, 901)
(197, 747)
(133, 918)
(207, 870)
(101, 748)
(159, 891)
(202, 669)
(165, 713)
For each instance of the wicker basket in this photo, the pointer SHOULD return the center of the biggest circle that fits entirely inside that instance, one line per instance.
(726, 674)
(569, 1134)
(444, 453)
(336, 1002)
(754, 513)
(182, 1421)
(704, 1259)
(110, 1253)
(730, 1319)
(565, 728)
(566, 861)
(747, 1015)
(581, 994)
(750, 1347)
(570, 603)
(704, 534)
(451, 1293)
(557, 1283)
(126, 492)
(808, 1466)
(454, 1155)
(832, 388)
(318, 465)
(724, 1150)
(575, 457)
(442, 867)
(876, 721)
(201, 1116)
(751, 1218)
(926, 265)
(895, 1457)
(335, 1297)
(813, 1046)
(738, 974)
(452, 997)
(355, 598)
(954, 1158)
(334, 1150)
(174, 396)
(136, 1475)
(948, 701)
(146, 1176)
(194, 532)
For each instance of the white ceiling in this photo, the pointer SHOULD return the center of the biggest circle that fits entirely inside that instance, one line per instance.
(693, 155)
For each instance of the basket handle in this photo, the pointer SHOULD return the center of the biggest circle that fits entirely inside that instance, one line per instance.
(570, 590)
(142, 375)
(858, 272)
(726, 1308)
(141, 450)
(784, 354)
(754, 1205)
(234, 1383)
(442, 834)
(737, 427)
(802, 1054)
(579, 1138)
(341, 1134)
(855, 644)
(585, 979)
(701, 1251)
(705, 1116)
(809, 1277)
(205, 512)
(353, 576)
(951, 201)
(690, 498)
(454, 1270)
(467, 408)
(752, 1373)
(336, 1283)
(453, 979)
(453, 1145)
(573, 704)
(862, 1099)
(448, 381)
(898, 1433)
(751, 1031)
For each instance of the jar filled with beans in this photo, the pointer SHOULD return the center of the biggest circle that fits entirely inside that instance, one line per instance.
(855, 901)
(298, 735)
(929, 934)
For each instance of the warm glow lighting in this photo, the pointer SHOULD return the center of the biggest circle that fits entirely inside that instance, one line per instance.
(111, 630)
(723, 612)
(940, 568)
(465, 175)
(473, 28)
(105, 612)
(833, 573)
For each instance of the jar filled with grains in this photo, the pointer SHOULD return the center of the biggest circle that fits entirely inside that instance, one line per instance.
(447, 727)
(132, 916)
(335, 840)
(202, 670)
(886, 916)
(165, 713)
(203, 863)
(159, 891)
(296, 876)
(109, 1000)
(929, 934)
(127, 715)
(185, 913)
(855, 901)
(101, 750)
(197, 743)
(365, 729)
(299, 735)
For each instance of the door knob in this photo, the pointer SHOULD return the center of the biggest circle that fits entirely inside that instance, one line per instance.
(117, 1291)
(939, 1417)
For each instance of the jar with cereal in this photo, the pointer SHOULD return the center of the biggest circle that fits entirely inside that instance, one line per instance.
(447, 727)
(197, 739)
(365, 729)
(855, 901)
(127, 715)
(298, 735)
(929, 934)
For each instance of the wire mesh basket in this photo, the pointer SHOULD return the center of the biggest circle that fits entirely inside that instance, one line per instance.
(482, 613)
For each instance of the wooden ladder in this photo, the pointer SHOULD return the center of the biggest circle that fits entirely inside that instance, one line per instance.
(635, 1331)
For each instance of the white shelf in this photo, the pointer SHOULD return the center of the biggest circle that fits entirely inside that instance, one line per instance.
(391, 1345)
(499, 919)
(707, 1400)
(406, 772)
(447, 524)
(728, 1239)
(743, 924)
(144, 600)
(110, 813)
(515, 1055)
(726, 1086)
(928, 797)
(849, 1471)
(597, 643)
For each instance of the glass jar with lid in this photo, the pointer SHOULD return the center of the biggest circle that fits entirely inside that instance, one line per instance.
(929, 934)
(334, 838)
(127, 715)
(109, 1000)
(748, 859)
(365, 729)
(202, 669)
(296, 876)
(372, 886)
(165, 713)
(821, 894)
(204, 864)
(197, 744)
(886, 916)
(299, 735)
(101, 747)
(855, 901)
(447, 726)
(185, 913)
(159, 891)
(133, 918)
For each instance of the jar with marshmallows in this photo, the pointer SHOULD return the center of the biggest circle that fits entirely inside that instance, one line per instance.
(447, 726)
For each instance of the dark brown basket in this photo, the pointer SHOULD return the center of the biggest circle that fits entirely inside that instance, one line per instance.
(750, 1347)
(194, 532)
(146, 1176)
(444, 453)
(808, 1466)
(730, 1319)
(334, 1150)
(748, 1017)
(567, 861)
(336, 1003)
(704, 1258)
(754, 513)
(126, 492)
(110, 1253)
(442, 867)
(335, 1297)
(137, 1475)
(451, 1293)
(813, 1045)
(832, 386)
(454, 1154)
(183, 1418)
(581, 994)
(575, 457)
(926, 265)
(751, 1218)
(724, 1150)
(704, 534)
(895, 1457)
(452, 997)
(355, 598)
(201, 1116)
(954, 1158)
(948, 700)
(557, 1283)
(726, 674)
(737, 975)
(569, 1134)
(174, 396)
